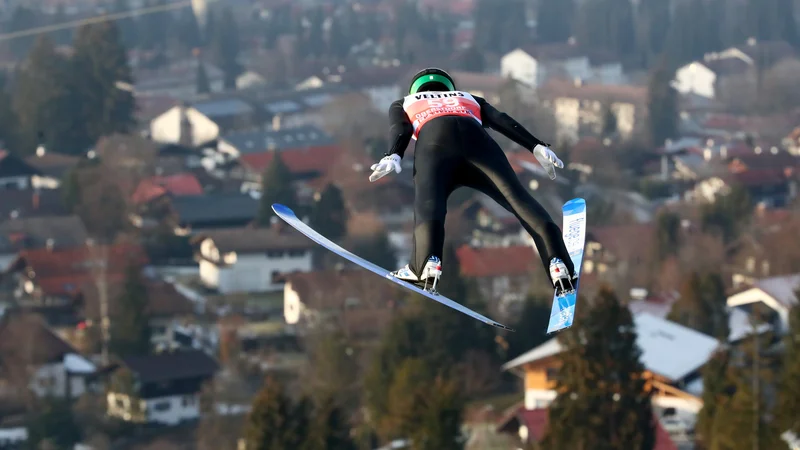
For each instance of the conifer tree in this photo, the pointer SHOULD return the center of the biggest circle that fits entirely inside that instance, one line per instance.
(717, 388)
(274, 421)
(225, 47)
(703, 305)
(737, 418)
(376, 249)
(602, 400)
(662, 106)
(329, 428)
(276, 187)
(668, 229)
(45, 98)
(531, 326)
(131, 330)
(203, 85)
(789, 389)
(101, 70)
(329, 213)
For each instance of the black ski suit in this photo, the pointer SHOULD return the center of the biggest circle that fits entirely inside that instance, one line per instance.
(453, 150)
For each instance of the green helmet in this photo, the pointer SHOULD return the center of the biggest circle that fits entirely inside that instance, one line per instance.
(431, 79)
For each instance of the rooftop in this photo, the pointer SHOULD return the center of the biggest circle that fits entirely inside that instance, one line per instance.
(255, 240)
(285, 139)
(171, 366)
(668, 349)
(215, 207)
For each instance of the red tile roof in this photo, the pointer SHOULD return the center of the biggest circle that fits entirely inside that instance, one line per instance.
(314, 159)
(761, 177)
(179, 184)
(497, 261)
(62, 272)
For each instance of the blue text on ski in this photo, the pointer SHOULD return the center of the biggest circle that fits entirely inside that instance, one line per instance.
(289, 217)
(574, 230)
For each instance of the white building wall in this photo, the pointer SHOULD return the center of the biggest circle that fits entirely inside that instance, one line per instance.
(166, 128)
(254, 273)
(51, 380)
(696, 78)
(520, 66)
(173, 410)
(170, 410)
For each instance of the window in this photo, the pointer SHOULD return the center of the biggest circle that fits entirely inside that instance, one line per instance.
(552, 374)
(161, 406)
(188, 400)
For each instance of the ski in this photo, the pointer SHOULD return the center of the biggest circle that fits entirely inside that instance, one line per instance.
(574, 231)
(288, 216)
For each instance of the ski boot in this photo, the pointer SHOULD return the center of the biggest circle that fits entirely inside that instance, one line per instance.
(430, 275)
(562, 281)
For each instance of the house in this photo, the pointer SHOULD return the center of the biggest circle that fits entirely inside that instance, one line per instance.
(33, 356)
(530, 427)
(579, 107)
(777, 293)
(307, 153)
(707, 78)
(251, 259)
(228, 112)
(160, 389)
(184, 125)
(17, 174)
(48, 281)
(484, 223)
(762, 252)
(33, 203)
(175, 185)
(178, 79)
(348, 297)
(52, 232)
(382, 85)
(660, 305)
(503, 274)
(671, 354)
(52, 165)
(300, 107)
(536, 65)
(213, 210)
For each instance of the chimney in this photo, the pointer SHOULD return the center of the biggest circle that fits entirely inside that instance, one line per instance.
(186, 138)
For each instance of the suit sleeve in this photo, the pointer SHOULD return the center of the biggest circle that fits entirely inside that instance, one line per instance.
(400, 129)
(507, 126)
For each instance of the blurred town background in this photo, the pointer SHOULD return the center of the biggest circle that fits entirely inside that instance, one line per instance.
(151, 300)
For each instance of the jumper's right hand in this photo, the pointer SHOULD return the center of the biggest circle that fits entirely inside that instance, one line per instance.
(548, 159)
(387, 164)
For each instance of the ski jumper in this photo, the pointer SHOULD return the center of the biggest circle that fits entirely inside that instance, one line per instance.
(453, 150)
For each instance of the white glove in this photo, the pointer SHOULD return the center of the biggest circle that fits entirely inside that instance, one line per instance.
(548, 159)
(385, 166)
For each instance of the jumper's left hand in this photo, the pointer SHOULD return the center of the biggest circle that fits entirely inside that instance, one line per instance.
(548, 159)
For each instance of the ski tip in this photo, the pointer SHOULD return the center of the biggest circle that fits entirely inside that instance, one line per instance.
(282, 210)
(573, 206)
